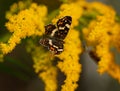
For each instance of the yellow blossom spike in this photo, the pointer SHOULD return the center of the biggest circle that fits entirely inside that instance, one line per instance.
(70, 65)
(17, 7)
(70, 10)
(114, 71)
(115, 36)
(27, 23)
(72, 47)
(49, 78)
(102, 34)
(44, 67)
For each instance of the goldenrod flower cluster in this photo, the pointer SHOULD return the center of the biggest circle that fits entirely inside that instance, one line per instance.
(44, 66)
(17, 7)
(26, 23)
(102, 34)
(100, 31)
(70, 65)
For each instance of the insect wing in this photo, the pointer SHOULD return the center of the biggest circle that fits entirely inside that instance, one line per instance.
(56, 46)
(53, 45)
(44, 42)
(50, 30)
(63, 25)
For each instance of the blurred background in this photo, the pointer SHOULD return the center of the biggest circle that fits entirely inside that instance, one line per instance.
(17, 73)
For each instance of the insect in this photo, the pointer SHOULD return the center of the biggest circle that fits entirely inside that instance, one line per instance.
(55, 34)
(94, 56)
(91, 52)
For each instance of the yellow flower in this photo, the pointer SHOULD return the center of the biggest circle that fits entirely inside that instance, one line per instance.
(50, 79)
(72, 47)
(70, 10)
(27, 23)
(44, 66)
(115, 38)
(114, 71)
(70, 65)
(17, 7)
(102, 34)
